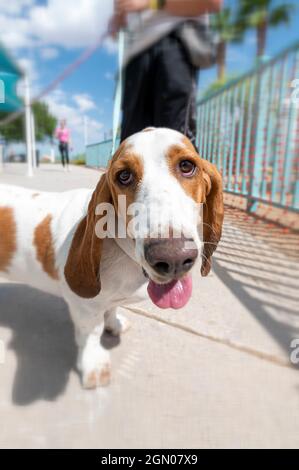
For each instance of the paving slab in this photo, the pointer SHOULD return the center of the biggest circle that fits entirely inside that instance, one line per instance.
(49, 177)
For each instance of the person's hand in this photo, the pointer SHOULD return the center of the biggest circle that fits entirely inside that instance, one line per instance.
(117, 22)
(127, 6)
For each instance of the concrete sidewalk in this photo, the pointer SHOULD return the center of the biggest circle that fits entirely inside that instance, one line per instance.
(214, 374)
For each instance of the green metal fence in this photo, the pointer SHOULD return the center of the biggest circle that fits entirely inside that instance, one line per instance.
(250, 130)
(98, 155)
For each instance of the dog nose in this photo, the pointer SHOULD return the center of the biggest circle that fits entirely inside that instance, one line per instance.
(171, 257)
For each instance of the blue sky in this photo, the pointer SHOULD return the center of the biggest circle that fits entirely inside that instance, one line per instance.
(47, 35)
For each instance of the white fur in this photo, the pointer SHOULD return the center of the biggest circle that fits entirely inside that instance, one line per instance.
(162, 197)
(122, 279)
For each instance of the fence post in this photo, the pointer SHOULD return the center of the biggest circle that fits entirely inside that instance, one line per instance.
(28, 124)
(256, 160)
(33, 140)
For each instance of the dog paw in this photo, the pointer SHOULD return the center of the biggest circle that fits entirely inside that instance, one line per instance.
(94, 363)
(98, 377)
(120, 325)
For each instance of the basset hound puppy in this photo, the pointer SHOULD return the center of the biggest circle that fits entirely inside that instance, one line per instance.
(100, 249)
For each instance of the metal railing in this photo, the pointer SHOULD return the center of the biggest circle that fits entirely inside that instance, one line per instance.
(98, 155)
(250, 130)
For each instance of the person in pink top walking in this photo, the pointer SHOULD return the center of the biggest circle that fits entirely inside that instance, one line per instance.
(63, 136)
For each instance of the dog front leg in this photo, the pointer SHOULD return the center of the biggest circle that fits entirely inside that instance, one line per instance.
(93, 363)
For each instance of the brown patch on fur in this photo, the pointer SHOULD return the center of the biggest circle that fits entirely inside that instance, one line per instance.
(213, 215)
(35, 195)
(8, 242)
(194, 186)
(124, 159)
(204, 187)
(188, 144)
(43, 243)
(82, 269)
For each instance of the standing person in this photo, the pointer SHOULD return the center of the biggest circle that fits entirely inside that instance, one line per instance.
(159, 65)
(63, 135)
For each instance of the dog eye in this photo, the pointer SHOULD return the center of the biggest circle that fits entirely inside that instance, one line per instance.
(187, 167)
(125, 177)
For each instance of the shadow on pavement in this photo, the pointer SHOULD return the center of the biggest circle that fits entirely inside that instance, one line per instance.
(260, 264)
(42, 339)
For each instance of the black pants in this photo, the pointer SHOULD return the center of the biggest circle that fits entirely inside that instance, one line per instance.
(160, 90)
(64, 152)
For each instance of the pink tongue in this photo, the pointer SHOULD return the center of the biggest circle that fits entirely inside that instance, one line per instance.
(175, 294)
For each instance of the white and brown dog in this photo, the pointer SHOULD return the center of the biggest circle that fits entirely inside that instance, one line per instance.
(55, 241)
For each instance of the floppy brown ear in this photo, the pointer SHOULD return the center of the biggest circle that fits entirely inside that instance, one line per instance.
(82, 269)
(213, 213)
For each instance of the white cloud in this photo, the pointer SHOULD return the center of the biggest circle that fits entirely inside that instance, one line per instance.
(70, 25)
(56, 23)
(15, 32)
(84, 102)
(48, 28)
(49, 53)
(13, 7)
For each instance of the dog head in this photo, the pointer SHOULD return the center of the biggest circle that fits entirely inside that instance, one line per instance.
(169, 193)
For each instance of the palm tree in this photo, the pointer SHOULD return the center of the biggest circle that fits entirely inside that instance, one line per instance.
(227, 30)
(260, 15)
